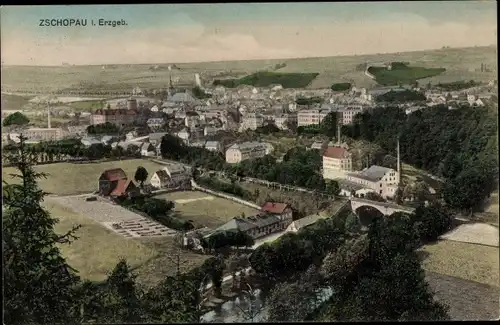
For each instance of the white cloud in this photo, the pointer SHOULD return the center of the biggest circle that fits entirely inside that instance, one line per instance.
(201, 42)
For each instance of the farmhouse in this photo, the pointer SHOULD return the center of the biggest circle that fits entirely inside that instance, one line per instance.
(114, 183)
(178, 173)
(160, 179)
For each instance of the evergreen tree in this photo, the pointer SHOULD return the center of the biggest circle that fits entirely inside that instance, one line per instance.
(38, 283)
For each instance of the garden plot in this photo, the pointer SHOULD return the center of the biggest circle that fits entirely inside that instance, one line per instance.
(140, 227)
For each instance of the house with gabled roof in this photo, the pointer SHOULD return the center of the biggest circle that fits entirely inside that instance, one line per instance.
(160, 179)
(273, 217)
(109, 179)
(124, 188)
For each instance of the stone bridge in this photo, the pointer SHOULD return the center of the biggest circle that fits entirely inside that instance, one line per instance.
(385, 208)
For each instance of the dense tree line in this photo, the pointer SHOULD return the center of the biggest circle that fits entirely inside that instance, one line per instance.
(41, 288)
(341, 86)
(458, 145)
(200, 93)
(104, 128)
(401, 96)
(373, 276)
(457, 85)
(299, 167)
(226, 239)
(16, 118)
(309, 100)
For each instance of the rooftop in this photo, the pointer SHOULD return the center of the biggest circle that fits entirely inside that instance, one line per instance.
(373, 173)
(336, 153)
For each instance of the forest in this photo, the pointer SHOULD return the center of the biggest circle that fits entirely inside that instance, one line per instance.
(458, 145)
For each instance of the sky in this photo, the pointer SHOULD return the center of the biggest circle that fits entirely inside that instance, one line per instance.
(168, 33)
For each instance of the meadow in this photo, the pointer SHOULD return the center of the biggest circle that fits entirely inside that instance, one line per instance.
(265, 79)
(473, 262)
(403, 75)
(70, 178)
(97, 250)
(204, 209)
(460, 64)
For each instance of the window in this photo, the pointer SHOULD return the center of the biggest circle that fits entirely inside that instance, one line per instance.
(380, 184)
(380, 191)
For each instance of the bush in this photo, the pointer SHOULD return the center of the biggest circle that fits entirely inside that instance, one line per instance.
(342, 86)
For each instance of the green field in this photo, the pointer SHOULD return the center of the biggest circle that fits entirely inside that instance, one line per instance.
(206, 210)
(69, 178)
(264, 79)
(97, 250)
(460, 64)
(14, 102)
(402, 74)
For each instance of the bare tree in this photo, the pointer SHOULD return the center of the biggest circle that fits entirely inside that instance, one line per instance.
(253, 308)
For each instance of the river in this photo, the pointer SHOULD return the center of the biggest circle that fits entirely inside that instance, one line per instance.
(231, 311)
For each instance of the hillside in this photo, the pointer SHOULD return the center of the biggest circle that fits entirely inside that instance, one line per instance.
(460, 64)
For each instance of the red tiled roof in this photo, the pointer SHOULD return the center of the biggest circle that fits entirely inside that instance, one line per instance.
(114, 174)
(273, 207)
(336, 152)
(121, 187)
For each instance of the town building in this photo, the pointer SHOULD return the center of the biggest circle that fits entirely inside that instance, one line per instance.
(246, 150)
(273, 217)
(155, 138)
(381, 180)
(251, 121)
(214, 146)
(118, 117)
(337, 161)
(311, 116)
(147, 149)
(155, 123)
(192, 119)
(39, 134)
(283, 121)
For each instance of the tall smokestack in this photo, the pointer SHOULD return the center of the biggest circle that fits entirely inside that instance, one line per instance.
(338, 133)
(49, 125)
(399, 163)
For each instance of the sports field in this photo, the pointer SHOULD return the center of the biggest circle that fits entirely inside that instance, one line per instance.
(204, 209)
(69, 178)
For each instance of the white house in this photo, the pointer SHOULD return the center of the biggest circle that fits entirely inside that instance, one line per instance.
(160, 179)
(214, 146)
(382, 180)
(178, 174)
(184, 135)
(154, 109)
(155, 123)
(337, 161)
(148, 149)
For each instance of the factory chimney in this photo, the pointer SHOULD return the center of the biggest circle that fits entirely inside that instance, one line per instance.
(399, 164)
(49, 125)
(338, 134)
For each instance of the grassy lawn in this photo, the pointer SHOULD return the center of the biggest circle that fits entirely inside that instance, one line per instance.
(98, 250)
(473, 262)
(69, 178)
(204, 209)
